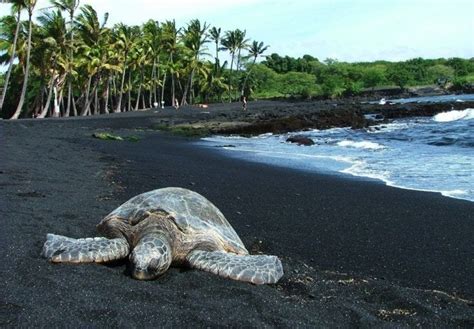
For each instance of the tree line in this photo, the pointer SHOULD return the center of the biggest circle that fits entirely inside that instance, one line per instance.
(69, 63)
(283, 76)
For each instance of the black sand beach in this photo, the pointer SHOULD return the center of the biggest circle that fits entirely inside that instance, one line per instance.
(355, 253)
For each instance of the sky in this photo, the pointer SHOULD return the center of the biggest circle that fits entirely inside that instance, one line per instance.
(362, 30)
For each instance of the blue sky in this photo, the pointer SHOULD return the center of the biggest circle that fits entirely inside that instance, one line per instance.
(363, 30)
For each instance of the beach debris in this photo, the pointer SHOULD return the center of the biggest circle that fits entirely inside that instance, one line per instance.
(107, 136)
(111, 137)
(387, 314)
(164, 227)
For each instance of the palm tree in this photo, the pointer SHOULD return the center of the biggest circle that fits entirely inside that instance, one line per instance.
(170, 44)
(215, 35)
(240, 43)
(125, 36)
(30, 6)
(194, 38)
(70, 6)
(53, 38)
(256, 49)
(152, 35)
(17, 6)
(93, 51)
(230, 43)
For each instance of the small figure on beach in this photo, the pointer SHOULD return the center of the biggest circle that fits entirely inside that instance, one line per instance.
(176, 104)
(243, 99)
(165, 227)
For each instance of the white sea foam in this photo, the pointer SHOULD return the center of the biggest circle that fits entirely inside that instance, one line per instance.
(466, 114)
(361, 145)
(360, 169)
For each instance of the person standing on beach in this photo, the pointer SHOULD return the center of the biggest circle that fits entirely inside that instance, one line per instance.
(176, 104)
(244, 102)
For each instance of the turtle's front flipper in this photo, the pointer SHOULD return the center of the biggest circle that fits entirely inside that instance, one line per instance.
(257, 269)
(61, 249)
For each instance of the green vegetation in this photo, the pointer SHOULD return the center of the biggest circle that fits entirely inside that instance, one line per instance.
(69, 63)
(332, 78)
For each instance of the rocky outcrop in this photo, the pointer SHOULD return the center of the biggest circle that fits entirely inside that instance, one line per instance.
(300, 140)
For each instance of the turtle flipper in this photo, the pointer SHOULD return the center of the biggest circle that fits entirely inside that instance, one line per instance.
(257, 269)
(61, 249)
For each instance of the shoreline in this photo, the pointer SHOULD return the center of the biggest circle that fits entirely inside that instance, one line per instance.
(344, 173)
(354, 253)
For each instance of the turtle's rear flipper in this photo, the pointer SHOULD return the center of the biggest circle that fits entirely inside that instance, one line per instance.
(61, 249)
(257, 269)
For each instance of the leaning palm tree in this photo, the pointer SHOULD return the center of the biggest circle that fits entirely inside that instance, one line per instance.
(170, 44)
(70, 6)
(17, 7)
(53, 37)
(30, 6)
(230, 43)
(241, 43)
(92, 40)
(126, 36)
(152, 35)
(256, 49)
(215, 35)
(194, 39)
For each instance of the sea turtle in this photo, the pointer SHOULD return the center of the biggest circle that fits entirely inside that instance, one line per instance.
(163, 227)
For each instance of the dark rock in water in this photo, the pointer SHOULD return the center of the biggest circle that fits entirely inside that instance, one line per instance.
(300, 140)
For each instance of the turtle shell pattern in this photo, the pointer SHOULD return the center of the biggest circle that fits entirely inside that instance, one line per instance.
(191, 211)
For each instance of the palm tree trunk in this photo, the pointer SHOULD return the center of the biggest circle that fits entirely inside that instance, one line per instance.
(87, 105)
(153, 79)
(12, 58)
(96, 101)
(69, 96)
(56, 103)
(129, 93)
(247, 76)
(230, 78)
(163, 88)
(48, 100)
(27, 70)
(139, 90)
(173, 95)
(71, 58)
(85, 109)
(119, 103)
(157, 84)
(74, 109)
(106, 96)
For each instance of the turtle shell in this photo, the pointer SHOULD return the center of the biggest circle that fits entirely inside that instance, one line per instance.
(192, 212)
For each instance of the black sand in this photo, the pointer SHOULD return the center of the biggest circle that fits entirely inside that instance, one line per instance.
(355, 253)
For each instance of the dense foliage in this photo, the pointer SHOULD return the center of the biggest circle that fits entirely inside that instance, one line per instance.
(69, 62)
(310, 77)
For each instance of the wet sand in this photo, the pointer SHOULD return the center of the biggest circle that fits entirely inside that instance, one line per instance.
(355, 253)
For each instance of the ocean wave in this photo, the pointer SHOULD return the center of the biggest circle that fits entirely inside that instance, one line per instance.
(361, 145)
(361, 169)
(466, 114)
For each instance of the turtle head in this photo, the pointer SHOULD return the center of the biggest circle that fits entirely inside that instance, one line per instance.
(151, 257)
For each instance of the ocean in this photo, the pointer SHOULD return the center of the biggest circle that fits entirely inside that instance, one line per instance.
(424, 153)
